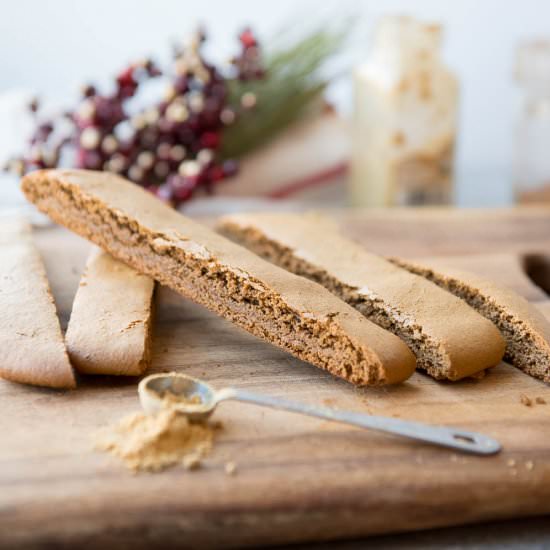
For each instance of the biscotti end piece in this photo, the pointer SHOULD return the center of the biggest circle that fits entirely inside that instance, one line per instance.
(451, 340)
(32, 350)
(109, 331)
(288, 311)
(525, 329)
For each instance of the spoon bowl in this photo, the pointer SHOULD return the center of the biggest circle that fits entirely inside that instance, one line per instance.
(191, 397)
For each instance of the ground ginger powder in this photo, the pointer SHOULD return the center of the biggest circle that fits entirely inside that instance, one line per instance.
(155, 441)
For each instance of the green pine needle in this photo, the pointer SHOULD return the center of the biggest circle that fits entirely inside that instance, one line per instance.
(292, 88)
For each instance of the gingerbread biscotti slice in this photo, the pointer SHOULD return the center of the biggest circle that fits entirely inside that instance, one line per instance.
(289, 311)
(32, 350)
(524, 327)
(109, 331)
(450, 340)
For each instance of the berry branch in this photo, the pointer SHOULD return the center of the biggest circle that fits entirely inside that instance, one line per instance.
(191, 138)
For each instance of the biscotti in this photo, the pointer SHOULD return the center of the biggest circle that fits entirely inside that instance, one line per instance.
(109, 331)
(32, 350)
(525, 329)
(450, 340)
(289, 311)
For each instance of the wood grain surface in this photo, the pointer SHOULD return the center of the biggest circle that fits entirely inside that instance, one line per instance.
(297, 479)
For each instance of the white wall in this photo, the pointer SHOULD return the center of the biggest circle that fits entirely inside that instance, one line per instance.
(52, 46)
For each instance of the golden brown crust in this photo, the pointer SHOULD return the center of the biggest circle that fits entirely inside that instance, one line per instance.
(31, 343)
(110, 327)
(450, 339)
(289, 311)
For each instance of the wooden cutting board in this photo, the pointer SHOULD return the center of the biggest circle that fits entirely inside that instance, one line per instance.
(297, 479)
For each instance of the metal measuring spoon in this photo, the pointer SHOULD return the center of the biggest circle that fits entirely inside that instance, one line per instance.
(198, 401)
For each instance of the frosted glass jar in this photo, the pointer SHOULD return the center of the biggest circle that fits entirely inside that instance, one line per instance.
(532, 151)
(405, 119)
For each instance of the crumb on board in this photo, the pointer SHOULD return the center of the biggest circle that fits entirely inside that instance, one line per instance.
(511, 463)
(525, 400)
(529, 465)
(192, 462)
(540, 400)
(230, 468)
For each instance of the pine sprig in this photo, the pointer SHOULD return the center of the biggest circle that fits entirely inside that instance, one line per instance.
(296, 78)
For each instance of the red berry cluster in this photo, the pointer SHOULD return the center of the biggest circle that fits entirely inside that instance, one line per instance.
(248, 63)
(170, 148)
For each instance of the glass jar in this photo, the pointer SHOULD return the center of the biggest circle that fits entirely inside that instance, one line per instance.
(404, 123)
(532, 149)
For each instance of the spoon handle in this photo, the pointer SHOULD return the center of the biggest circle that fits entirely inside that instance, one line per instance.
(455, 438)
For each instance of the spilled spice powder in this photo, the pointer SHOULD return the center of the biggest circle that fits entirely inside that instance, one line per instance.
(154, 442)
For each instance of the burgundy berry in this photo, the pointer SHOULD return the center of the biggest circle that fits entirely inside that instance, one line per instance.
(216, 173)
(210, 140)
(126, 78)
(88, 90)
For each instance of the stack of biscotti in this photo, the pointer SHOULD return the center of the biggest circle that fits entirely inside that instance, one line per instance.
(109, 331)
(287, 310)
(450, 339)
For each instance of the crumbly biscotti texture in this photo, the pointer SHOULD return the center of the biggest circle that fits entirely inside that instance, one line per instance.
(32, 350)
(289, 311)
(524, 327)
(450, 339)
(109, 331)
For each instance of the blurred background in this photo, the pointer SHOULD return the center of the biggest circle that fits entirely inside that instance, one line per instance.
(49, 49)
